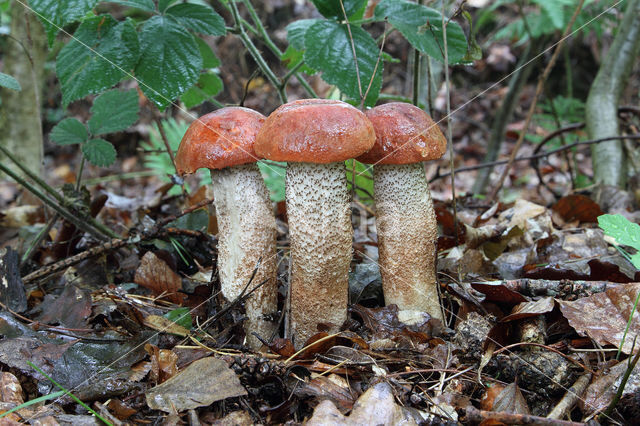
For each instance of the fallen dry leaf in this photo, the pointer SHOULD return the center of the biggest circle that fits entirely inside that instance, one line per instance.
(10, 389)
(200, 384)
(604, 316)
(154, 274)
(577, 207)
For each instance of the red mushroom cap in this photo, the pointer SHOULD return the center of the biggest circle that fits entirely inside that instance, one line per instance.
(315, 131)
(405, 134)
(220, 139)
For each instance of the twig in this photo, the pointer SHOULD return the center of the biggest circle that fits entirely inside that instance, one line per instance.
(532, 108)
(472, 414)
(353, 50)
(531, 157)
(568, 401)
(416, 71)
(114, 244)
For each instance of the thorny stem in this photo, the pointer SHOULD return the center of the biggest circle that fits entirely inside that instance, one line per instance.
(416, 71)
(68, 215)
(353, 50)
(255, 54)
(449, 129)
(532, 108)
(78, 221)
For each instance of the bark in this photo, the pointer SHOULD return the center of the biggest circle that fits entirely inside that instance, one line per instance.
(608, 158)
(20, 111)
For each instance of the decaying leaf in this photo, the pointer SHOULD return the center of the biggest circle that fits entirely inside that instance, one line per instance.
(203, 382)
(10, 389)
(154, 274)
(375, 406)
(511, 400)
(604, 316)
(530, 309)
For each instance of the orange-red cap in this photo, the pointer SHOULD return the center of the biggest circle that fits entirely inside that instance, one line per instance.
(314, 131)
(220, 139)
(405, 134)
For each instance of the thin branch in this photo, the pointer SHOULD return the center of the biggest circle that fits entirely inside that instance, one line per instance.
(353, 50)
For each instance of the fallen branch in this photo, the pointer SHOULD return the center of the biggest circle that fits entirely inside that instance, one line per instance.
(472, 414)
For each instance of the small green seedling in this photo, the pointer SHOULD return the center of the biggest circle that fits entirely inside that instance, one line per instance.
(113, 111)
(624, 233)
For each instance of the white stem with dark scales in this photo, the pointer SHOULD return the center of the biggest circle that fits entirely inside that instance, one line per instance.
(320, 232)
(407, 238)
(246, 240)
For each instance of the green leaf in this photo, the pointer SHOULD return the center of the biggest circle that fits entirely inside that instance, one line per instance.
(332, 8)
(114, 111)
(422, 27)
(209, 59)
(147, 5)
(180, 316)
(296, 31)
(208, 85)
(199, 18)
(99, 152)
(554, 11)
(197, 220)
(292, 57)
(68, 132)
(328, 49)
(82, 71)
(164, 4)
(621, 229)
(9, 82)
(170, 62)
(274, 179)
(55, 14)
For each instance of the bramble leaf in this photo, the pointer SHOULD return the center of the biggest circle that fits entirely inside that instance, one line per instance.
(68, 132)
(99, 152)
(83, 71)
(209, 59)
(333, 9)
(114, 111)
(9, 82)
(138, 4)
(296, 31)
(422, 27)
(328, 49)
(199, 18)
(170, 62)
(55, 14)
(208, 85)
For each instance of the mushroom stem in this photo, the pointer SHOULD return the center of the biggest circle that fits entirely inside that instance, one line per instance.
(321, 243)
(407, 238)
(246, 240)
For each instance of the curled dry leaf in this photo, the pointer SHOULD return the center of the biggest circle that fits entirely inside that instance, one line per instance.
(530, 309)
(154, 274)
(604, 316)
(10, 389)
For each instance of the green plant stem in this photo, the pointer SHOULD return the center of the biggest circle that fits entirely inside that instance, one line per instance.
(607, 413)
(416, 71)
(79, 222)
(264, 36)
(75, 398)
(36, 242)
(389, 97)
(79, 176)
(626, 329)
(255, 54)
(38, 400)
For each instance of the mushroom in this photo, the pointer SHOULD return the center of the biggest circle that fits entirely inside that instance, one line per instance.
(222, 141)
(405, 220)
(315, 137)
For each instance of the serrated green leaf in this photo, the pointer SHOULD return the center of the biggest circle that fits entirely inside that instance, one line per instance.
(328, 49)
(147, 5)
(114, 111)
(180, 316)
(9, 82)
(332, 8)
(208, 85)
(554, 11)
(55, 14)
(99, 152)
(292, 57)
(422, 27)
(164, 4)
(209, 59)
(296, 31)
(114, 51)
(199, 18)
(621, 229)
(170, 63)
(68, 132)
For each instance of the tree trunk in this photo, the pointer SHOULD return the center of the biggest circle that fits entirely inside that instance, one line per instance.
(609, 163)
(20, 111)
